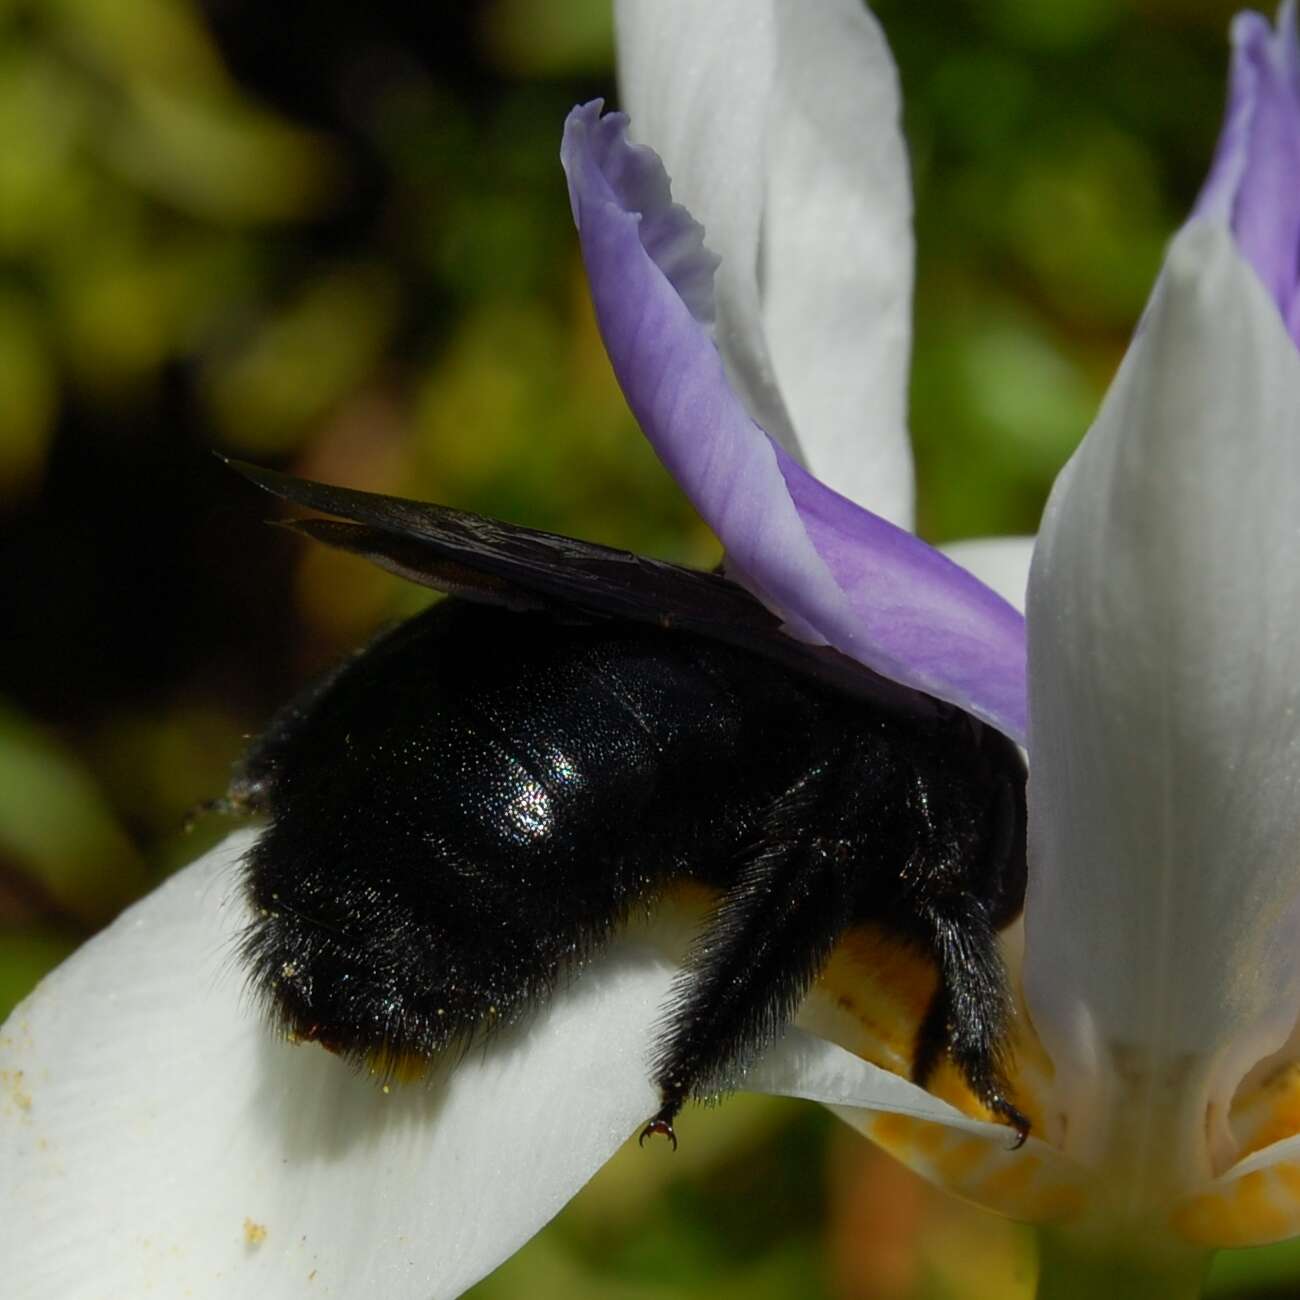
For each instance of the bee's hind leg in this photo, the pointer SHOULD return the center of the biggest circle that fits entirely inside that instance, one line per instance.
(750, 968)
(969, 1017)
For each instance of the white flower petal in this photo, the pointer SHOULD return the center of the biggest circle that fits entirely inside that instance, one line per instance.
(998, 562)
(805, 1065)
(156, 1140)
(837, 251)
(696, 79)
(1164, 638)
(778, 122)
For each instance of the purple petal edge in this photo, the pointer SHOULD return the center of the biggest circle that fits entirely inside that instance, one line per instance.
(1253, 184)
(833, 570)
(924, 619)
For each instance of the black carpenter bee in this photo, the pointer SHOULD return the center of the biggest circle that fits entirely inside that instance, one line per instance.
(467, 809)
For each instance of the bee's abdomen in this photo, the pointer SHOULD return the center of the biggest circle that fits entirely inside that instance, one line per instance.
(473, 804)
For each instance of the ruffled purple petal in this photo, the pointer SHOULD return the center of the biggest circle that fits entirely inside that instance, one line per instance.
(637, 182)
(1254, 182)
(834, 571)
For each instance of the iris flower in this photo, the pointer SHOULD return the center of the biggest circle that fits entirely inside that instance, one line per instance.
(156, 1139)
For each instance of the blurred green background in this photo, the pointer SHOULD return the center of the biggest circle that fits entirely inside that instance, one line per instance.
(335, 238)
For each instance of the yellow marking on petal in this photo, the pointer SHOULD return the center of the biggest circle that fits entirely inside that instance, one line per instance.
(903, 972)
(1013, 1179)
(930, 1139)
(1263, 1202)
(1022, 1185)
(1243, 1213)
(898, 1133)
(985, 1170)
(884, 987)
(955, 1164)
(943, 1153)
(1269, 1113)
(1289, 1176)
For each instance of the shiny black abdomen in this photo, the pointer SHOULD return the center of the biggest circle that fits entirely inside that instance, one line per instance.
(482, 794)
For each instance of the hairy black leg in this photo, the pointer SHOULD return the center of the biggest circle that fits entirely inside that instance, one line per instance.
(750, 969)
(971, 1011)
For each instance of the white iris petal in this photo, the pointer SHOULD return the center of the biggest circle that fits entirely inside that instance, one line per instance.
(1162, 953)
(778, 122)
(156, 1139)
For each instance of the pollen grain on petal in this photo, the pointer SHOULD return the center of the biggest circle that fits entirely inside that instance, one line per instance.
(14, 1091)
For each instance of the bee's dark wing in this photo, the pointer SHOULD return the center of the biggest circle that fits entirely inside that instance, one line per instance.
(487, 560)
